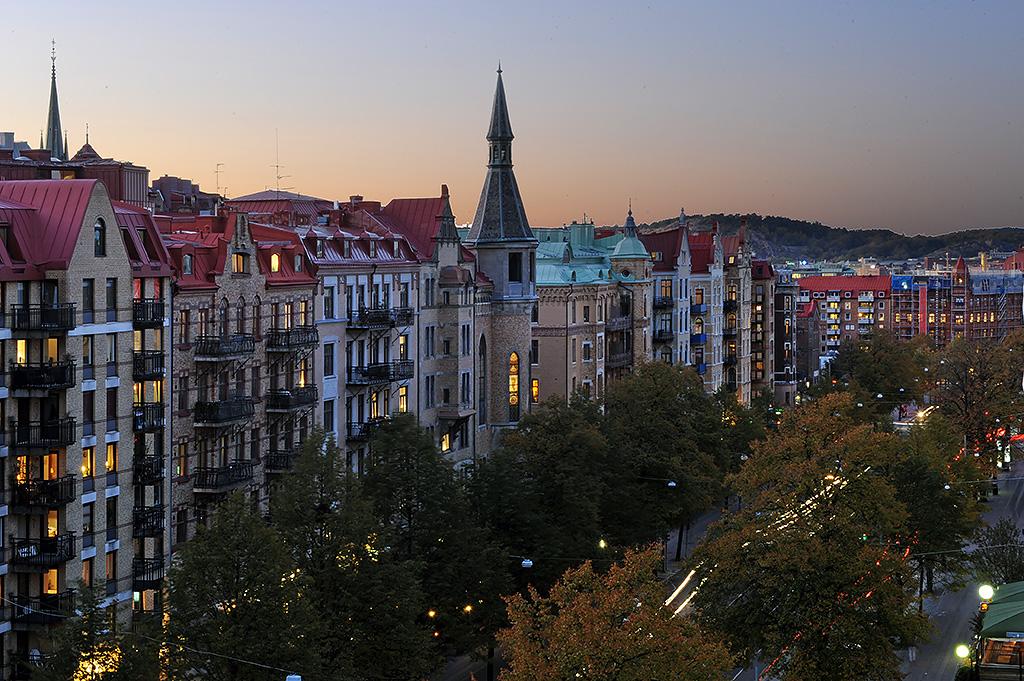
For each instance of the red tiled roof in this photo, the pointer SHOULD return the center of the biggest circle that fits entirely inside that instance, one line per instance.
(731, 245)
(702, 251)
(147, 253)
(417, 220)
(668, 244)
(853, 283)
(806, 310)
(60, 209)
(1014, 262)
(761, 269)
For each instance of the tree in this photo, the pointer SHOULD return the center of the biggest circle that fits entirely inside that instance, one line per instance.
(84, 646)
(462, 569)
(812, 571)
(661, 426)
(886, 366)
(369, 607)
(235, 598)
(609, 626)
(998, 556)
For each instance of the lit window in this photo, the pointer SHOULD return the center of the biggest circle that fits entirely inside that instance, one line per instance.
(535, 390)
(240, 263)
(403, 399)
(446, 442)
(513, 387)
(275, 262)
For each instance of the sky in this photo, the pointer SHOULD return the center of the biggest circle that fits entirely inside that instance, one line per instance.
(905, 115)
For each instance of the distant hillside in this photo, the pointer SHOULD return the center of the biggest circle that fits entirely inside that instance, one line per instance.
(783, 238)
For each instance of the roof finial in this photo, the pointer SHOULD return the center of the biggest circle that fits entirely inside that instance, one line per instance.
(86, 133)
(499, 67)
(53, 58)
(630, 205)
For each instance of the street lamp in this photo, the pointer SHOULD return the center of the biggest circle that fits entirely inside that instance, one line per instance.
(527, 563)
(986, 592)
(602, 544)
(962, 651)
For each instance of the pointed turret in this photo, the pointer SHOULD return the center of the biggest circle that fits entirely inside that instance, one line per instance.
(53, 129)
(500, 215)
(630, 247)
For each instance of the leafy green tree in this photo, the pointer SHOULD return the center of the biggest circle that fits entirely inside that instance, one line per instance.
(607, 627)
(882, 365)
(998, 556)
(84, 645)
(816, 559)
(463, 571)
(662, 427)
(235, 594)
(369, 607)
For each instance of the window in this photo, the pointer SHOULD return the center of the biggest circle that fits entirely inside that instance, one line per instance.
(515, 267)
(373, 249)
(111, 410)
(275, 262)
(513, 387)
(88, 462)
(111, 569)
(87, 572)
(428, 390)
(464, 396)
(328, 301)
(446, 442)
(428, 344)
(319, 248)
(586, 313)
(403, 346)
(180, 525)
(88, 412)
(346, 249)
(535, 391)
(573, 352)
(186, 263)
(99, 238)
(328, 359)
(111, 300)
(329, 416)
(403, 399)
(111, 353)
(587, 352)
(87, 357)
(88, 300)
(464, 341)
(181, 459)
(111, 457)
(534, 352)
(240, 263)
(298, 263)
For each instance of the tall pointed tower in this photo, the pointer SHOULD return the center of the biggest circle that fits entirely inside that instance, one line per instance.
(54, 141)
(505, 249)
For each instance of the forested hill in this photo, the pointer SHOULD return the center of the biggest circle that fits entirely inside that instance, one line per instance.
(784, 238)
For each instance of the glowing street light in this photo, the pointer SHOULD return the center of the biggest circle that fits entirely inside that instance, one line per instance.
(602, 544)
(986, 592)
(527, 563)
(962, 651)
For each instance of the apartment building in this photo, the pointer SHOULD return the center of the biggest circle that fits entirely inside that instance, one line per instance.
(246, 374)
(787, 293)
(669, 253)
(736, 349)
(849, 307)
(762, 328)
(593, 318)
(83, 335)
(708, 325)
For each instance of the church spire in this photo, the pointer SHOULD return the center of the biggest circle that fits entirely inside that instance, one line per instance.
(53, 128)
(501, 128)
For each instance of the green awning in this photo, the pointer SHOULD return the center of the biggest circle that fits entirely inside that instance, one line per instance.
(1004, 620)
(1014, 591)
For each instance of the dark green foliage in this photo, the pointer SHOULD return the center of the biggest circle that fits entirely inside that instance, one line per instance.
(998, 556)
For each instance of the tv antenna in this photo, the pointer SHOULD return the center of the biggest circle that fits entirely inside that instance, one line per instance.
(277, 164)
(216, 172)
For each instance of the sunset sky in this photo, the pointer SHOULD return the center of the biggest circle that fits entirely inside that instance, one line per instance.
(902, 115)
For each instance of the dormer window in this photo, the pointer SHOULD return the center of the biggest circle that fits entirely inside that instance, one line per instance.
(346, 249)
(275, 262)
(99, 238)
(319, 248)
(240, 263)
(298, 263)
(373, 249)
(186, 263)
(397, 248)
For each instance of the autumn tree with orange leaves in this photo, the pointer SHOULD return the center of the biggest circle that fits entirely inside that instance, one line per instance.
(607, 626)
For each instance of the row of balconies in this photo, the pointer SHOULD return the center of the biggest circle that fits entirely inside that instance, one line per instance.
(147, 365)
(222, 348)
(147, 313)
(213, 414)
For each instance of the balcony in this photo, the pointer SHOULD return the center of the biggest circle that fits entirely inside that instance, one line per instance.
(698, 338)
(729, 361)
(147, 365)
(42, 434)
(866, 298)
(148, 470)
(222, 412)
(455, 412)
(661, 302)
(729, 332)
(43, 494)
(148, 417)
(44, 552)
(361, 432)
(730, 305)
(147, 313)
(223, 349)
(44, 609)
(280, 459)
(865, 320)
(381, 372)
(699, 308)
(42, 375)
(223, 478)
(58, 318)
(381, 317)
(295, 338)
(402, 370)
(701, 368)
(663, 335)
(147, 573)
(618, 323)
(284, 401)
(616, 360)
(148, 521)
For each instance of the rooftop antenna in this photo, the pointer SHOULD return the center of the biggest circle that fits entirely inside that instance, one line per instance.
(216, 172)
(277, 164)
(86, 133)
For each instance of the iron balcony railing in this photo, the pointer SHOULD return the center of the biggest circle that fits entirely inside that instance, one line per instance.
(49, 318)
(729, 305)
(729, 331)
(148, 417)
(147, 365)
(618, 324)
(148, 313)
(381, 317)
(361, 432)
(213, 414)
(291, 399)
(148, 470)
(401, 370)
(698, 338)
(663, 335)
(42, 434)
(43, 552)
(662, 301)
(295, 338)
(220, 348)
(148, 521)
(698, 308)
(618, 359)
(147, 573)
(280, 459)
(42, 375)
(381, 372)
(43, 493)
(43, 609)
(222, 478)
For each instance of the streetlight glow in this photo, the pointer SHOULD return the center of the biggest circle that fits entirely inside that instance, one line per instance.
(602, 544)
(986, 592)
(962, 651)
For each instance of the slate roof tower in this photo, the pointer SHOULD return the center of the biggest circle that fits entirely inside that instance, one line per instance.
(54, 140)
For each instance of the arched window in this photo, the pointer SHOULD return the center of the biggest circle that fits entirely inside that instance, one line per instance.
(513, 387)
(222, 321)
(698, 325)
(240, 316)
(186, 264)
(275, 262)
(481, 372)
(99, 238)
(730, 321)
(256, 318)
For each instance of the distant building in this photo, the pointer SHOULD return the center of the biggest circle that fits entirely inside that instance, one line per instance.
(787, 293)
(762, 328)
(177, 195)
(848, 307)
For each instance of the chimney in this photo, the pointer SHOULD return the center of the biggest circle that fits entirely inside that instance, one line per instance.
(354, 199)
(444, 191)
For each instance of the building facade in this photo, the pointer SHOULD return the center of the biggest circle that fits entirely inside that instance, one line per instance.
(787, 293)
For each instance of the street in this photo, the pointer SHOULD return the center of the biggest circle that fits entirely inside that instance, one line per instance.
(950, 612)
